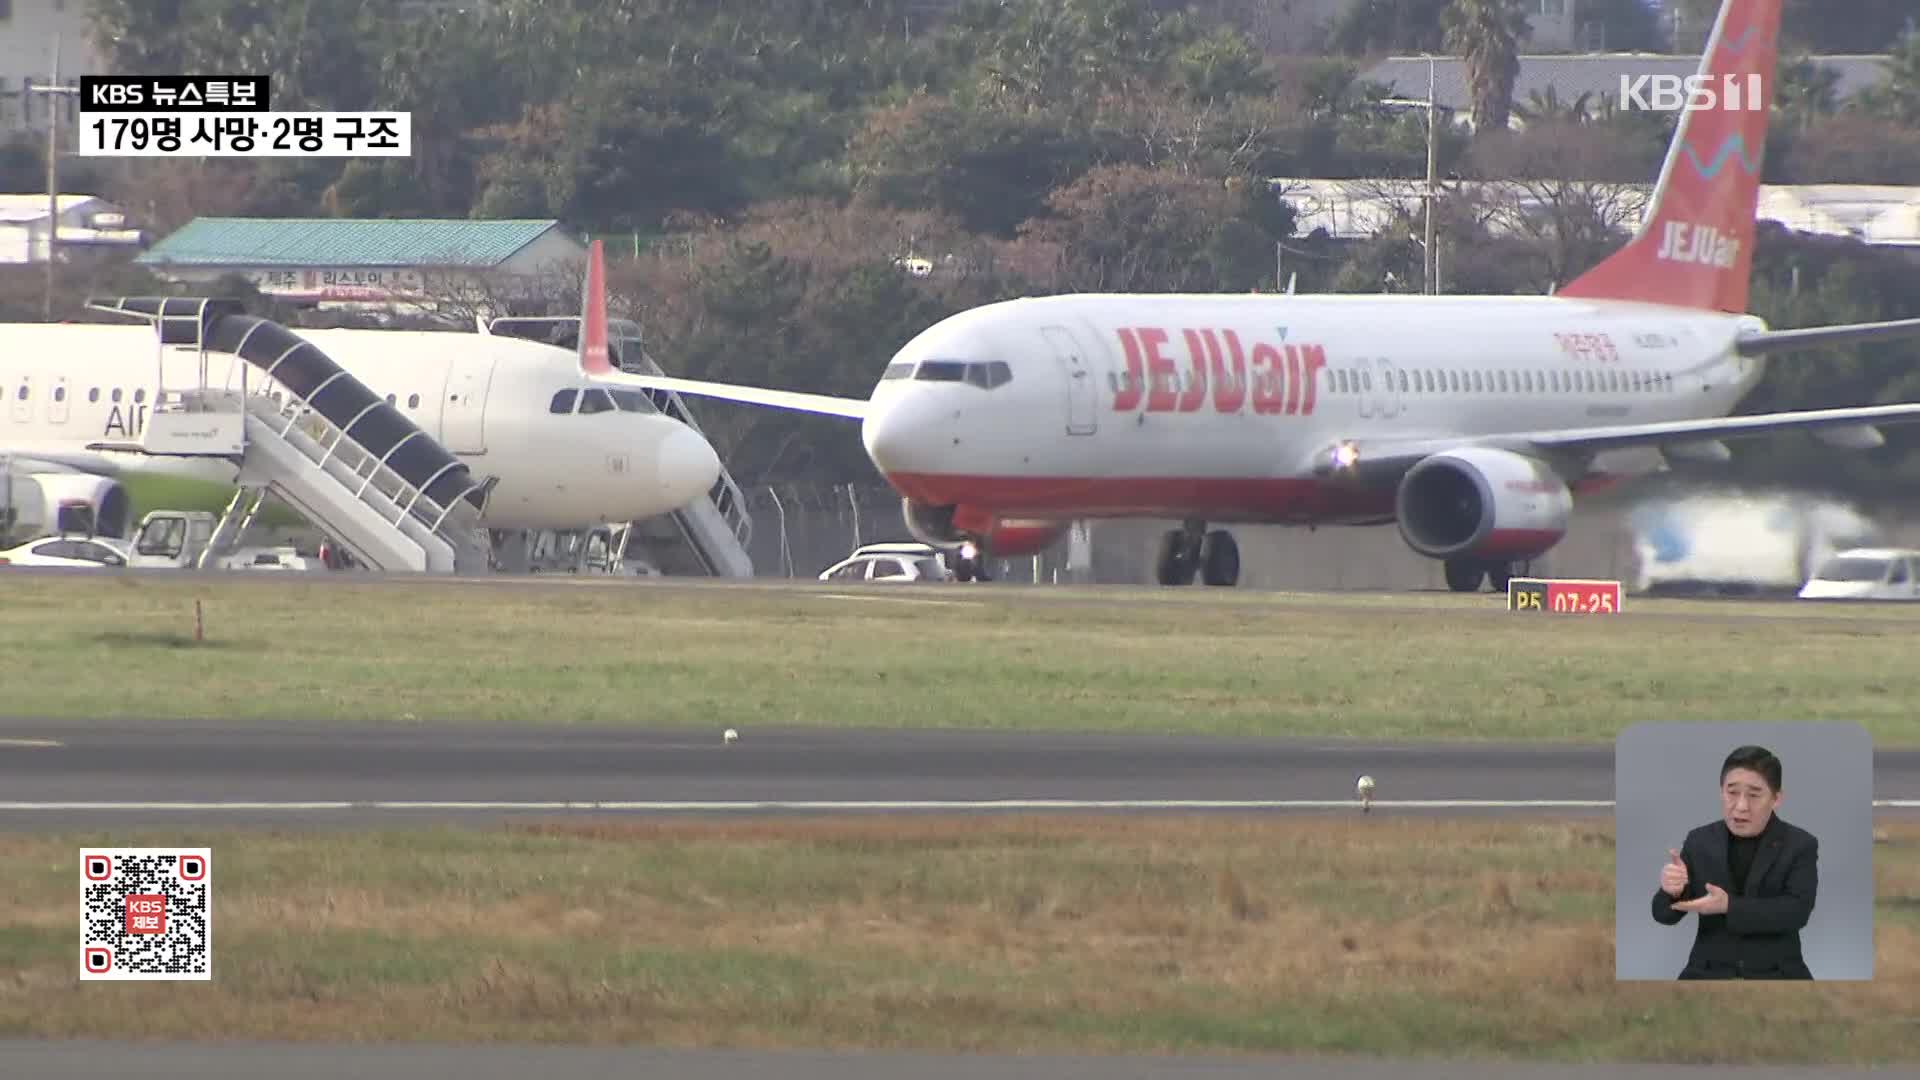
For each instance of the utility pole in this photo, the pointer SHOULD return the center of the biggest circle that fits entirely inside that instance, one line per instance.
(1429, 262)
(52, 89)
(1430, 257)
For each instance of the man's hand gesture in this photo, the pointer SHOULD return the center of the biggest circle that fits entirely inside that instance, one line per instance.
(1673, 876)
(1714, 903)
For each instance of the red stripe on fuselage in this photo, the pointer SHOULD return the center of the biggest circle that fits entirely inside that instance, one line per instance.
(1251, 499)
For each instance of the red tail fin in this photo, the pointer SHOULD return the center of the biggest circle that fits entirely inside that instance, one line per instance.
(593, 315)
(1695, 248)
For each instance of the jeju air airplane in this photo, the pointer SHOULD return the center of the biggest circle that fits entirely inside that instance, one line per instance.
(570, 447)
(1470, 421)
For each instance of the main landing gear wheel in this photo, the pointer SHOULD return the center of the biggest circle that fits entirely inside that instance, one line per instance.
(1466, 575)
(1192, 550)
(1220, 559)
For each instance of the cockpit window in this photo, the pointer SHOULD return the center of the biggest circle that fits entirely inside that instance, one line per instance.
(989, 374)
(899, 369)
(595, 400)
(941, 371)
(563, 402)
(633, 401)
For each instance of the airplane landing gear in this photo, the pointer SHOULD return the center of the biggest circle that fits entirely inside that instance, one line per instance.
(1466, 575)
(1192, 550)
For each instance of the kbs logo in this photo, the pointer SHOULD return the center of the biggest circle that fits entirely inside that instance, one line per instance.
(147, 913)
(1700, 244)
(1277, 379)
(1672, 93)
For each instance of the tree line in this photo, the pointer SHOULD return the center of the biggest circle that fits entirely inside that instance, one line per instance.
(761, 168)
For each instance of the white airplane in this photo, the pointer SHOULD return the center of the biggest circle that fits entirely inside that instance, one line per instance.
(1468, 420)
(570, 447)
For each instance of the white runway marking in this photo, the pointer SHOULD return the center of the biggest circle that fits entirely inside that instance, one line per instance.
(875, 804)
(30, 743)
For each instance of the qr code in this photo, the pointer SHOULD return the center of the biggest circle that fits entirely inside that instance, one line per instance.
(146, 913)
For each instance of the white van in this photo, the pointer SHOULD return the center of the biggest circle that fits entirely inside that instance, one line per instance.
(1867, 574)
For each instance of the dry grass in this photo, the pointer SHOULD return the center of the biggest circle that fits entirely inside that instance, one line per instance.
(1403, 937)
(1133, 660)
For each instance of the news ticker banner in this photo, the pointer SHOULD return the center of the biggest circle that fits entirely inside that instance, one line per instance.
(1564, 596)
(223, 116)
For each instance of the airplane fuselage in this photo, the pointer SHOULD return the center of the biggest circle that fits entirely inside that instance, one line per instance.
(490, 400)
(1222, 407)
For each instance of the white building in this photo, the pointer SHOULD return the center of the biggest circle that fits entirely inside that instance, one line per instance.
(86, 221)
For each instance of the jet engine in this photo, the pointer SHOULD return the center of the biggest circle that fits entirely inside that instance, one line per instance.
(1482, 503)
(46, 503)
(951, 526)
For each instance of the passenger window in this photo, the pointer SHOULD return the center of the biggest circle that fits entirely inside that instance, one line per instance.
(139, 395)
(93, 395)
(1366, 380)
(595, 400)
(1478, 386)
(59, 393)
(1343, 381)
(116, 396)
(1402, 380)
(390, 400)
(563, 401)
(413, 401)
(24, 391)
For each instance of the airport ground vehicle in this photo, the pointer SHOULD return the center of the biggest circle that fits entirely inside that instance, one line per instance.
(1867, 574)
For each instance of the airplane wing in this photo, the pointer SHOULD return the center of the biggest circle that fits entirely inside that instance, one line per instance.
(851, 408)
(1384, 459)
(1819, 337)
(59, 461)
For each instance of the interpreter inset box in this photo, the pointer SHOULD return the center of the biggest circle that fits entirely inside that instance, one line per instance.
(1743, 851)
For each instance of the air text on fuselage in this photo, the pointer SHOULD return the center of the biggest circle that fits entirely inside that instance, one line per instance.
(1275, 379)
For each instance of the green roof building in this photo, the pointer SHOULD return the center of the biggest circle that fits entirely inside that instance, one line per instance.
(377, 263)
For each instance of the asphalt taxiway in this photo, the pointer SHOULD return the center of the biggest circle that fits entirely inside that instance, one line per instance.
(177, 1061)
(68, 773)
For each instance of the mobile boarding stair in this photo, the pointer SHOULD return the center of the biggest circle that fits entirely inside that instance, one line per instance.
(320, 442)
(707, 537)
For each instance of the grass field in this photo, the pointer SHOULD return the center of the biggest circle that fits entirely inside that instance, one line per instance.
(1367, 935)
(549, 652)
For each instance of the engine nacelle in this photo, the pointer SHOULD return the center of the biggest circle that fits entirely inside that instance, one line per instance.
(1482, 503)
(49, 503)
(952, 526)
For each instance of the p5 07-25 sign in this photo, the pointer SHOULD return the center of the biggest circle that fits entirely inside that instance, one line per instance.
(1564, 596)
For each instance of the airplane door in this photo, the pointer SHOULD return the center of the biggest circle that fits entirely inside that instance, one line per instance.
(463, 406)
(1082, 394)
(57, 403)
(1389, 390)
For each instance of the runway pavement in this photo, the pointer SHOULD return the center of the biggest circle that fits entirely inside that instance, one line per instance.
(111, 1061)
(68, 773)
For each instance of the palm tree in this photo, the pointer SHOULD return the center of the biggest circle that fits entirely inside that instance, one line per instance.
(1547, 108)
(1488, 33)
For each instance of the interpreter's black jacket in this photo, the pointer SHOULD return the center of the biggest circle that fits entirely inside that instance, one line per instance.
(1759, 936)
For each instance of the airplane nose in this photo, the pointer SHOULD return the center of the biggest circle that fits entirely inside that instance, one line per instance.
(897, 436)
(687, 466)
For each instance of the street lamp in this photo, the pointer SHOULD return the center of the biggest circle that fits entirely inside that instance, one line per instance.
(1429, 261)
(51, 88)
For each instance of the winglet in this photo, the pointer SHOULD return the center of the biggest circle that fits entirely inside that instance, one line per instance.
(1694, 248)
(593, 315)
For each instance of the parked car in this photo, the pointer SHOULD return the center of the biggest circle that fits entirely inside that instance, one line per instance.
(899, 563)
(1867, 574)
(70, 551)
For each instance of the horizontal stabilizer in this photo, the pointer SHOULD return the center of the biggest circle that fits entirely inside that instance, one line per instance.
(823, 404)
(1820, 337)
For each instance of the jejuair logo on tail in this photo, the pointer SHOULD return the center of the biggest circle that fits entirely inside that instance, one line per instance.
(1702, 245)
